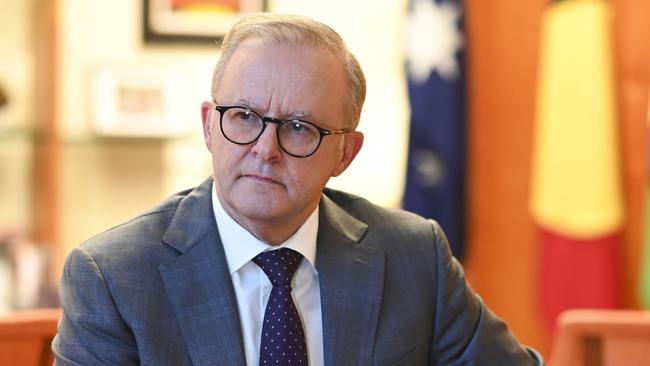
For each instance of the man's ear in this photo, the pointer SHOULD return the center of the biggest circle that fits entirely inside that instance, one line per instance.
(352, 145)
(206, 118)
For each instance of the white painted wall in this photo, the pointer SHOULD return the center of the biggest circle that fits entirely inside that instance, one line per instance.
(17, 117)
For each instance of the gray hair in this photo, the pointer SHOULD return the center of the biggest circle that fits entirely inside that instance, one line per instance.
(295, 30)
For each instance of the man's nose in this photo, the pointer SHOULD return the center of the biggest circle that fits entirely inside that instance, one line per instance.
(267, 146)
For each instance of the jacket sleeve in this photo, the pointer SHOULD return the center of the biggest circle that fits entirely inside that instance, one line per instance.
(91, 330)
(466, 332)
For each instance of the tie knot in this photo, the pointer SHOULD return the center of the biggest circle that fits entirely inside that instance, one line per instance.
(279, 265)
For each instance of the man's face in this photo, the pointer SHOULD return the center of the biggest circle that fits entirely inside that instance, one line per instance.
(265, 190)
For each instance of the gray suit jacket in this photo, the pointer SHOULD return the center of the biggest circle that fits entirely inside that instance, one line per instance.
(157, 291)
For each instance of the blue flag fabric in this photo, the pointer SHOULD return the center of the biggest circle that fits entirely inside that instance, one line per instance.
(435, 181)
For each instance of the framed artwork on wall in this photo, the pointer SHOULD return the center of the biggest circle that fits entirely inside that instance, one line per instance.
(143, 101)
(193, 21)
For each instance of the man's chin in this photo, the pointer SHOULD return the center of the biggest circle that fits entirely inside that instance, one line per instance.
(260, 206)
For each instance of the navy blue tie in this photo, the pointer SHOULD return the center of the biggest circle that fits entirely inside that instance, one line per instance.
(283, 339)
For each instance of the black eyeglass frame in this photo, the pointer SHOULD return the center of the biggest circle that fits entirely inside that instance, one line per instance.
(280, 122)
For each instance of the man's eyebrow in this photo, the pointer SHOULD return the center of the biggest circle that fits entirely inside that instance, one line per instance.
(300, 114)
(246, 103)
(291, 115)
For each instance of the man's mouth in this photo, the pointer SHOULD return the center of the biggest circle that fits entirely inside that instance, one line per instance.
(260, 178)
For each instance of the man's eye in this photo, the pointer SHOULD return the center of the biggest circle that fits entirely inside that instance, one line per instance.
(297, 127)
(243, 115)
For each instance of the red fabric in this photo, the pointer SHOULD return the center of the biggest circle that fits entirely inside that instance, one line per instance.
(577, 274)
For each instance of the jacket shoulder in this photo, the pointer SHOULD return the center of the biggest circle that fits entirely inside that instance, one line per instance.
(390, 229)
(145, 227)
(372, 214)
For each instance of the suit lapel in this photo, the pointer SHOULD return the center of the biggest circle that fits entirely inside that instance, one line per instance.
(198, 284)
(351, 279)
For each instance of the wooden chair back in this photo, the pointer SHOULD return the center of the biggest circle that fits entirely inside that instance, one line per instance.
(26, 337)
(602, 338)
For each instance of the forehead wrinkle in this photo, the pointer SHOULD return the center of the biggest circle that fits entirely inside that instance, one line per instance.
(283, 104)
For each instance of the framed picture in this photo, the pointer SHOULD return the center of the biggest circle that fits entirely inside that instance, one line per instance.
(141, 101)
(194, 21)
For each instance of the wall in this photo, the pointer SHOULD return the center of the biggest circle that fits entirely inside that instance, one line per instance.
(17, 117)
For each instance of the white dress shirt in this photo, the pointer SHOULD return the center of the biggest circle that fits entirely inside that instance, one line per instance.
(252, 286)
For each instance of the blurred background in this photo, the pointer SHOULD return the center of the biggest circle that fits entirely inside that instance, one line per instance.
(522, 126)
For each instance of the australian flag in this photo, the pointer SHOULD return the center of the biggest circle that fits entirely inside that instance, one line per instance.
(435, 181)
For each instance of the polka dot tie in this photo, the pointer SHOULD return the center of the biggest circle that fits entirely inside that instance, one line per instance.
(283, 339)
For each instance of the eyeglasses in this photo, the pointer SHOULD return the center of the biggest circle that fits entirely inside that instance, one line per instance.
(298, 138)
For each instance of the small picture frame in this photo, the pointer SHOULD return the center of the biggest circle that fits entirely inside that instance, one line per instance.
(140, 101)
(194, 21)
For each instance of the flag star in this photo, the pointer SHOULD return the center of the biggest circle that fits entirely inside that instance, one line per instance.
(429, 166)
(433, 38)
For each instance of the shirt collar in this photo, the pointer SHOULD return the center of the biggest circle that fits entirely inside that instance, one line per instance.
(241, 246)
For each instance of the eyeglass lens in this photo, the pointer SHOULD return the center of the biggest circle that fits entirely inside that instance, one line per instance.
(243, 126)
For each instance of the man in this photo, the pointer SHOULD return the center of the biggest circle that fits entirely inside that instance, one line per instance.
(192, 282)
